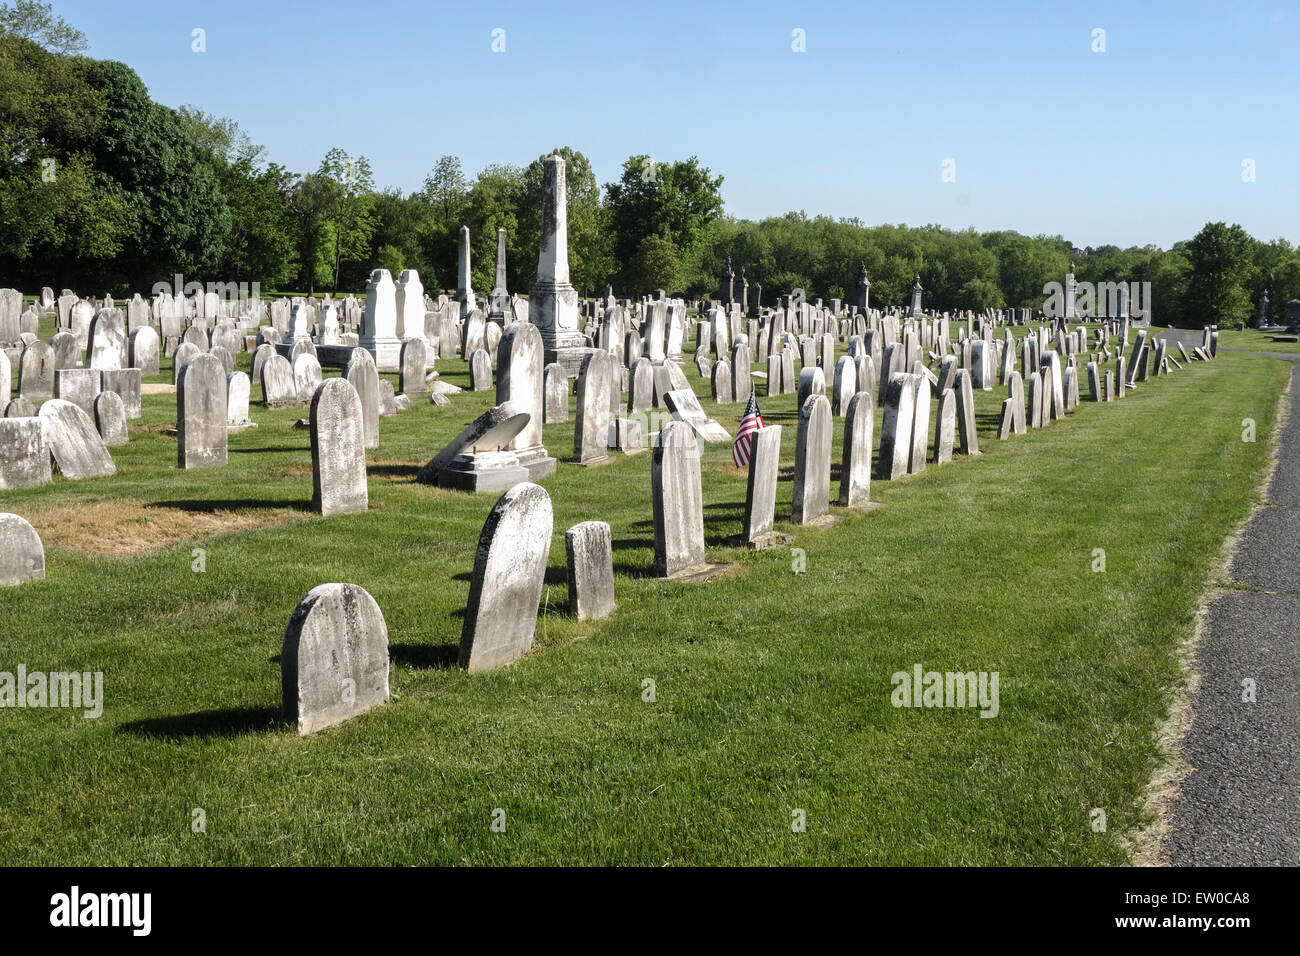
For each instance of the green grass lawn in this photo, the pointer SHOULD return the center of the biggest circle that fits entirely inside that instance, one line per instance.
(1253, 340)
(772, 688)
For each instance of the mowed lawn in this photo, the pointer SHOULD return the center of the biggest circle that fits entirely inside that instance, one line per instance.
(771, 688)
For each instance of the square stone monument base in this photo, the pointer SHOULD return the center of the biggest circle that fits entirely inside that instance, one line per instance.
(486, 471)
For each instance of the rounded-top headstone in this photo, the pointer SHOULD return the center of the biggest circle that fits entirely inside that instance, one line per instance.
(110, 418)
(22, 556)
(74, 442)
(338, 451)
(334, 659)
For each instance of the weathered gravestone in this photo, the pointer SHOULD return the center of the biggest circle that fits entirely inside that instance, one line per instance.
(36, 372)
(66, 353)
(237, 390)
(479, 459)
(107, 340)
(201, 414)
(920, 424)
(812, 461)
(74, 442)
(555, 398)
(110, 418)
(338, 454)
(413, 360)
(896, 427)
(24, 455)
(278, 386)
(79, 386)
(364, 377)
(686, 408)
(591, 424)
(20, 408)
(185, 352)
(307, 377)
(22, 557)
(519, 383)
(760, 495)
(589, 556)
(509, 568)
(677, 500)
(334, 659)
(224, 356)
(855, 461)
(125, 382)
(966, 414)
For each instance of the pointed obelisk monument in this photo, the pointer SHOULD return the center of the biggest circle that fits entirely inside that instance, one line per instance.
(499, 299)
(553, 301)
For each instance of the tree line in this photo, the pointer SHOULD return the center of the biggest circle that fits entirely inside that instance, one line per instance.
(102, 188)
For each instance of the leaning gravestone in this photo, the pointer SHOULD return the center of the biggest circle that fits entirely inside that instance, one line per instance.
(478, 459)
(74, 442)
(79, 386)
(945, 427)
(896, 427)
(364, 377)
(966, 414)
(22, 557)
(107, 340)
(677, 499)
(201, 414)
(413, 361)
(589, 557)
(110, 418)
(855, 464)
(509, 568)
(812, 461)
(24, 455)
(20, 408)
(334, 659)
(480, 372)
(66, 353)
(920, 424)
(338, 453)
(555, 398)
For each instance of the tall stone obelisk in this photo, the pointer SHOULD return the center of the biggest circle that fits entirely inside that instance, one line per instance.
(464, 284)
(499, 299)
(553, 302)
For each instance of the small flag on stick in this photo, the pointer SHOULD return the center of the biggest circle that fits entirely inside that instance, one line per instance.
(750, 422)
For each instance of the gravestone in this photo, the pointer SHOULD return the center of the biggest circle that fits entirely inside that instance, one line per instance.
(480, 371)
(201, 414)
(760, 495)
(920, 424)
(74, 442)
(307, 377)
(641, 385)
(24, 454)
(20, 408)
(364, 377)
(224, 356)
(812, 381)
(66, 353)
(966, 414)
(36, 372)
(22, 557)
(591, 427)
(237, 390)
(79, 386)
(509, 569)
(479, 459)
(334, 658)
(110, 418)
(414, 362)
(677, 501)
(519, 383)
(338, 454)
(589, 556)
(741, 373)
(945, 427)
(555, 398)
(720, 382)
(126, 383)
(812, 461)
(686, 408)
(185, 352)
(896, 427)
(855, 461)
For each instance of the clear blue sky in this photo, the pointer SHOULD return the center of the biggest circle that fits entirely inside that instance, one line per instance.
(1143, 143)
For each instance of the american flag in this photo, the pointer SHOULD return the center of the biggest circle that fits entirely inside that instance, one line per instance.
(750, 422)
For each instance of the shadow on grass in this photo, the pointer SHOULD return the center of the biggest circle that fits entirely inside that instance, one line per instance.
(274, 448)
(230, 722)
(230, 504)
(425, 656)
(393, 471)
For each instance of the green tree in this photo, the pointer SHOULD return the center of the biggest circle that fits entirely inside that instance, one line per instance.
(654, 265)
(36, 23)
(1220, 258)
(348, 206)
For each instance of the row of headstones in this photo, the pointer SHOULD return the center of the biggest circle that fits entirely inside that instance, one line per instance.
(335, 661)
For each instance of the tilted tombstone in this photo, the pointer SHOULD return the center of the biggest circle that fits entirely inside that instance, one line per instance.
(334, 658)
(509, 569)
(24, 454)
(812, 381)
(110, 418)
(478, 460)
(760, 494)
(201, 414)
(741, 373)
(1094, 382)
(364, 377)
(855, 461)
(812, 460)
(591, 427)
(677, 500)
(966, 429)
(22, 556)
(74, 442)
(20, 408)
(6, 377)
(641, 386)
(197, 336)
(945, 427)
(896, 427)
(589, 557)
(338, 454)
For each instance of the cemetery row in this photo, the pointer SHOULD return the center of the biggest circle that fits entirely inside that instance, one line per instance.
(623, 365)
